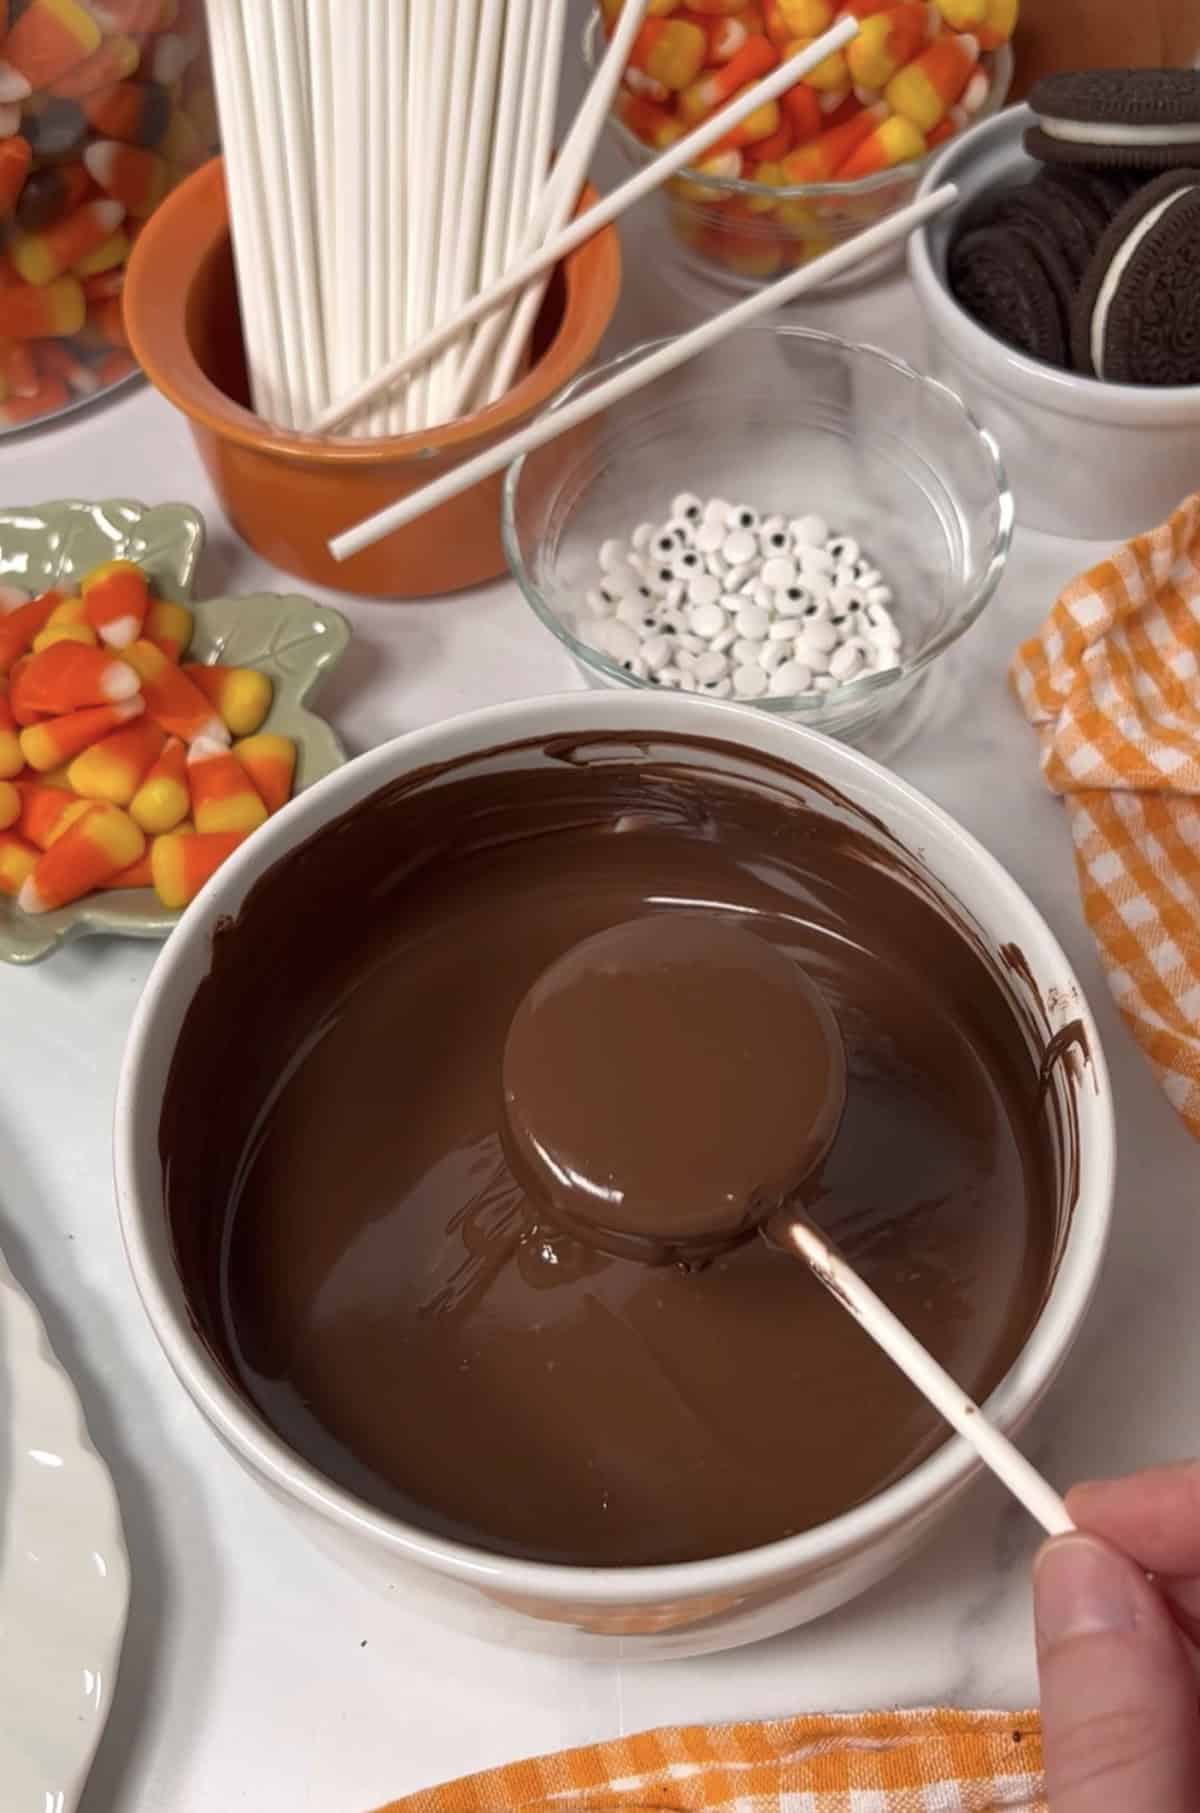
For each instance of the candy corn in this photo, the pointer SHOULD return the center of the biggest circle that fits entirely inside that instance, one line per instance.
(831, 75)
(723, 35)
(68, 677)
(138, 179)
(820, 161)
(47, 39)
(169, 627)
(224, 798)
(174, 702)
(19, 627)
(182, 862)
(669, 51)
(805, 18)
(116, 58)
(896, 141)
(136, 113)
(801, 108)
(17, 859)
(46, 812)
(962, 15)
(886, 41)
(16, 157)
(998, 23)
(54, 741)
(111, 254)
(242, 695)
(762, 123)
(270, 761)
(11, 759)
(116, 599)
(163, 800)
(10, 805)
(66, 623)
(33, 312)
(925, 89)
(115, 768)
(139, 875)
(716, 86)
(170, 55)
(653, 125)
(100, 844)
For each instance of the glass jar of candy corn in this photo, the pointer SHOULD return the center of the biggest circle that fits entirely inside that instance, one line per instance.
(835, 153)
(104, 106)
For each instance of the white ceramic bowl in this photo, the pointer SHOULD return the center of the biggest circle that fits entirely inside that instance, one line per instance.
(653, 1611)
(1088, 460)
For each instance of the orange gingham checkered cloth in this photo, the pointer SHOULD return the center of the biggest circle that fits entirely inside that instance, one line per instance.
(879, 1762)
(1112, 685)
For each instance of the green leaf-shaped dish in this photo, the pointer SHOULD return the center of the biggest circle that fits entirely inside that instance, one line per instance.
(290, 638)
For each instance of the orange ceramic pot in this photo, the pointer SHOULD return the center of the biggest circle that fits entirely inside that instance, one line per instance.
(288, 493)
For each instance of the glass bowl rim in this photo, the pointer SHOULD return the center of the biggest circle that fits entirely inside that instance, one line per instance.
(811, 706)
(1000, 62)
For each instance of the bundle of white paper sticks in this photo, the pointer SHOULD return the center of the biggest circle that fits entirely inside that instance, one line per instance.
(386, 161)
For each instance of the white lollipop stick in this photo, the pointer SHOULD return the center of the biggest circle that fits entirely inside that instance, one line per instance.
(458, 209)
(667, 358)
(559, 245)
(257, 297)
(552, 211)
(469, 239)
(918, 1365)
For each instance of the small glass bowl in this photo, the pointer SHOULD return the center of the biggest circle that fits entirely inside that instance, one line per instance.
(744, 233)
(794, 422)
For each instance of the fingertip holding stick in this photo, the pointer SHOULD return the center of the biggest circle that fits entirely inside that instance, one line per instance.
(560, 420)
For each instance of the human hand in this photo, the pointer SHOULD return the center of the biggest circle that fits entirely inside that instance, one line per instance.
(1119, 1690)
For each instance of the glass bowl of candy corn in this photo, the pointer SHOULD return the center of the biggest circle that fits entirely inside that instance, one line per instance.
(790, 521)
(104, 106)
(143, 737)
(837, 152)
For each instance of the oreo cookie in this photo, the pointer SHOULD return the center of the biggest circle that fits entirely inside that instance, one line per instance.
(1136, 319)
(1017, 285)
(1141, 119)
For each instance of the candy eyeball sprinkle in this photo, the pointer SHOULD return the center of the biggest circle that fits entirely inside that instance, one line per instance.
(687, 508)
(727, 601)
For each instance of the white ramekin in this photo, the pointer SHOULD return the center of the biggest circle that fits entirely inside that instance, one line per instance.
(1092, 461)
(654, 1611)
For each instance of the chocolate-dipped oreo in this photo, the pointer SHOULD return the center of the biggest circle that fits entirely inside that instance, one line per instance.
(1136, 319)
(1146, 119)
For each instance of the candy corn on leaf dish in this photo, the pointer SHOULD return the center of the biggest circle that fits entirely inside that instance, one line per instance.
(143, 736)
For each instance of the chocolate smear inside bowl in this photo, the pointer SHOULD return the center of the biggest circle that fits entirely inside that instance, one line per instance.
(349, 1211)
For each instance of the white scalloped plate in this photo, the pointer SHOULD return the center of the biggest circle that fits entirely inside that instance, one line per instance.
(64, 1573)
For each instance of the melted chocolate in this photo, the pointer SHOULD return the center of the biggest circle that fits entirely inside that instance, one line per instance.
(669, 1084)
(362, 1263)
